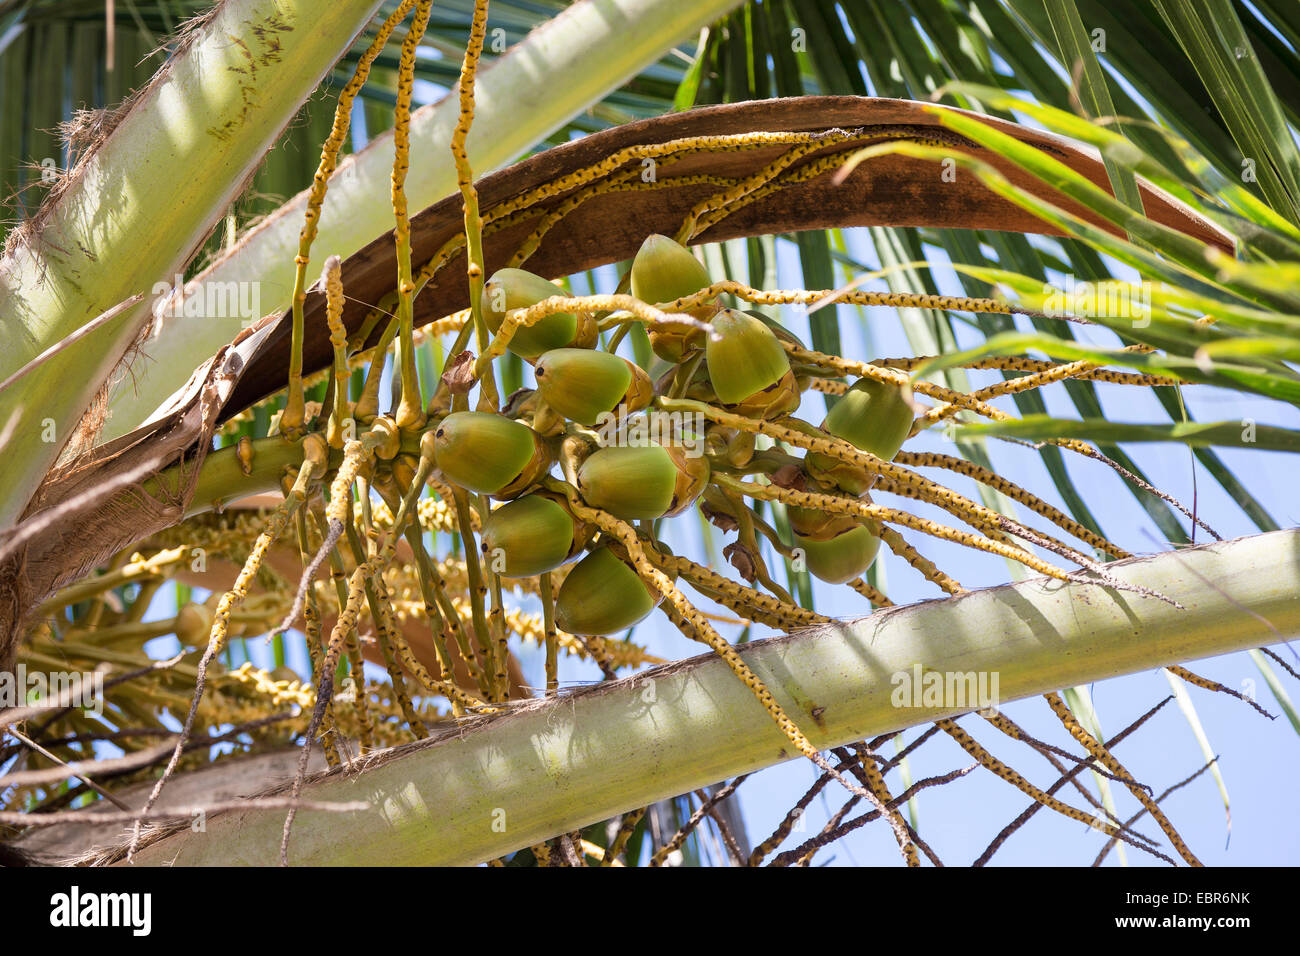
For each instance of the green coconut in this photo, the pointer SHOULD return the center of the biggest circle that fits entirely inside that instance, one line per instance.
(745, 359)
(643, 482)
(664, 271)
(843, 558)
(603, 594)
(874, 417)
(584, 384)
(532, 535)
(518, 289)
(629, 483)
(484, 452)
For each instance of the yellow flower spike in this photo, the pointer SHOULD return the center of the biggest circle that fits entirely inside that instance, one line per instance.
(718, 206)
(896, 543)
(620, 182)
(877, 513)
(332, 280)
(706, 805)
(990, 762)
(1021, 363)
(769, 179)
(636, 309)
(292, 421)
(751, 602)
(1013, 491)
(410, 409)
(340, 511)
(584, 183)
(673, 148)
(875, 782)
(877, 597)
(974, 514)
(699, 625)
(474, 263)
(1103, 756)
(804, 436)
(311, 624)
(487, 638)
(1012, 386)
(898, 480)
(551, 636)
(625, 829)
(444, 620)
(315, 457)
(895, 300)
(381, 613)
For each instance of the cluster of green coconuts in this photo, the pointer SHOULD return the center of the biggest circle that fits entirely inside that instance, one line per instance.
(745, 370)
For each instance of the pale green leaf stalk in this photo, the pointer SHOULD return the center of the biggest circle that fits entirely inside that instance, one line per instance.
(479, 793)
(138, 208)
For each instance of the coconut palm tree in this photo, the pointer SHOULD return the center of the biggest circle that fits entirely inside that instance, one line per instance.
(1057, 204)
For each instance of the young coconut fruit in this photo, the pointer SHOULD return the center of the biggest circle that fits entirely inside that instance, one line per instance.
(810, 522)
(603, 594)
(873, 416)
(532, 535)
(748, 368)
(841, 558)
(664, 271)
(584, 384)
(779, 330)
(194, 624)
(489, 454)
(818, 525)
(518, 289)
(734, 447)
(802, 373)
(651, 481)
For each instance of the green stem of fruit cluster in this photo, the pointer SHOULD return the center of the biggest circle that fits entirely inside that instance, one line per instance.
(222, 478)
(476, 587)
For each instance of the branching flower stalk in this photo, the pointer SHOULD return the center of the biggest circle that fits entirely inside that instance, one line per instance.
(1107, 759)
(524, 318)
(878, 513)
(475, 267)
(410, 410)
(292, 421)
(332, 280)
(314, 461)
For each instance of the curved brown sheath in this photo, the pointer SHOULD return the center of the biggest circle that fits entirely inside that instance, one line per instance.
(891, 190)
